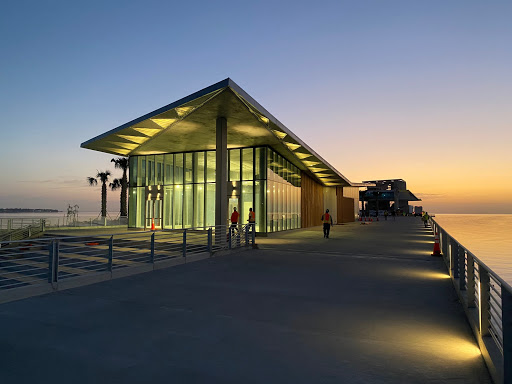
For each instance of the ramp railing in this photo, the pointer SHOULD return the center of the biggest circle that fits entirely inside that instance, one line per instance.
(57, 260)
(487, 301)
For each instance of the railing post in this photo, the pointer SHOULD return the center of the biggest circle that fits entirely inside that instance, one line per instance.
(229, 237)
(184, 243)
(152, 255)
(253, 234)
(506, 318)
(55, 266)
(110, 253)
(462, 267)
(51, 261)
(471, 281)
(247, 227)
(484, 305)
(9, 224)
(454, 255)
(210, 240)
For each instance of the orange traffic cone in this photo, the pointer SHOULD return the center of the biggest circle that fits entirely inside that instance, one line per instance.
(360, 218)
(437, 247)
(153, 224)
(371, 219)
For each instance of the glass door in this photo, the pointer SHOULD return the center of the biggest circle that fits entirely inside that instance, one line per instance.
(153, 214)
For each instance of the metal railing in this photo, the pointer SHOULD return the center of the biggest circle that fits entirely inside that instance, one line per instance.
(21, 233)
(19, 222)
(487, 301)
(52, 260)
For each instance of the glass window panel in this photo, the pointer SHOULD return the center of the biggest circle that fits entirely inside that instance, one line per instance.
(198, 205)
(150, 170)
(133, 171)
(188, 167)
(259, 205)
(247, 164)
(169, 169)
(188, 206)
(234, 164)
(178, 168)
(177, 209)
(198, 167)
(281, 206)
(260, 169)
(288, 206)
(141, 177)
(159, 169)
(132, 207)
(168, 192)
(141, 202)
(210, 166)
(247, 202)
(210, 204)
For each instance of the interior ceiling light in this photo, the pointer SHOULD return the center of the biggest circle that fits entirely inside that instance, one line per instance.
(292, 146)
(134, 139)
(318, 169)
(310, 163)
(264, 119)
(126, 145)
(301, 155)
(324, 175)
(164, 123)
(118, 150)
(148, 131)
(333, 184)
(181, 111)
(279, 134)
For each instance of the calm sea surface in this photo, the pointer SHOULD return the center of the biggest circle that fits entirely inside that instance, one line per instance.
(488, 237)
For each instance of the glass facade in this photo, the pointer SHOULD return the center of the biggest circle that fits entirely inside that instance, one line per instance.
(177, 190)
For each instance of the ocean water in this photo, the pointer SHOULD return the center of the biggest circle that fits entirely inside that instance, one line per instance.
(54, 219)
(488, 237)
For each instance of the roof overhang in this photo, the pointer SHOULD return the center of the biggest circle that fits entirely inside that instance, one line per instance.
(189, 124)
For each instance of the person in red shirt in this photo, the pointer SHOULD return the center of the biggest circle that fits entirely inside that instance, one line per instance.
(234, 219)
(327, 221)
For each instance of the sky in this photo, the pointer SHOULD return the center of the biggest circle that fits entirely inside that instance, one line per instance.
(418, 90)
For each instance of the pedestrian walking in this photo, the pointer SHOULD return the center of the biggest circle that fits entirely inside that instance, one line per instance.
(425, 218)
(386, 213)
(327, 221)
(252, 219)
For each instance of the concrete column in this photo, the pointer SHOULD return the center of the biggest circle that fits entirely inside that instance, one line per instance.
(221, 175)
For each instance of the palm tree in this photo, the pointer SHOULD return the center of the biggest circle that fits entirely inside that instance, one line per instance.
(103, 177)
(122, 163)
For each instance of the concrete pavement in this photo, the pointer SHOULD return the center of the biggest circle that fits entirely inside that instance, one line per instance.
(367, 305)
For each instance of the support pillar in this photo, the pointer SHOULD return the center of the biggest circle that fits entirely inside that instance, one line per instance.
(221, 175)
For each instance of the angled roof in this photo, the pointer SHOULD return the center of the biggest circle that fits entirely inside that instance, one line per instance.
(189, 124)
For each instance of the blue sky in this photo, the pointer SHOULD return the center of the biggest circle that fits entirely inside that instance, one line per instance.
(418, 90)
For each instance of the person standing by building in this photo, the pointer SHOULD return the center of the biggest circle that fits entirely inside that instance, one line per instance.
(386, 213)
(234, 220)
(425, 218)
(252, 219)
(327, 221)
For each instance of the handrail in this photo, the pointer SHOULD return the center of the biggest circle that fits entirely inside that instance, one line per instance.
(46, 261)
(487, 301)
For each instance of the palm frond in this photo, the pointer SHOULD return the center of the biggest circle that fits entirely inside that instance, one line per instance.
(92, 181)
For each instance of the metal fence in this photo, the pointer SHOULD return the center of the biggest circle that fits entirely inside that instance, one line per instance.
(55, 260)
(487, 301)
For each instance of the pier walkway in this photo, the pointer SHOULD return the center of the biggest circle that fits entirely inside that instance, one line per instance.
(369, 305)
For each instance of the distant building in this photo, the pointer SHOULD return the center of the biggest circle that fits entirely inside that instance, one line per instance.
(194, 160)
(386, 195)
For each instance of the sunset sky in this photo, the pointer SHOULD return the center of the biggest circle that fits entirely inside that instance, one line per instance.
(418, 90)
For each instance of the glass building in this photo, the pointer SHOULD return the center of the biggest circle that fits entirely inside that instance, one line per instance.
(177, 190)
(194, 160)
